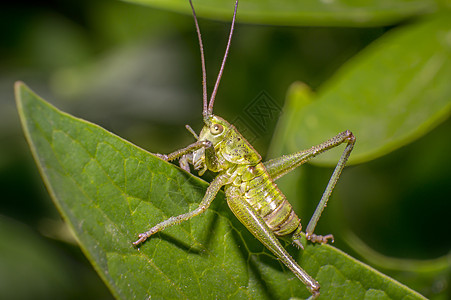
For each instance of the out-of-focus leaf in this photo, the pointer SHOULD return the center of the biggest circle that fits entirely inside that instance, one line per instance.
(109, 190)
(318, 13)
(395, 91)
(25, 258)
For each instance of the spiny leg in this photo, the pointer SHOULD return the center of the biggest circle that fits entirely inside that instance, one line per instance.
(278, 167)
(327, 192)
(185, 154)
(179, 153)
(281, 166)
(210, 195)
(257, 226)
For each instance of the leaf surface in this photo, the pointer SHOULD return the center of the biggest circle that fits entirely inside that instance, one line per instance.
(109, 190)
(392, 93)
(312, 13)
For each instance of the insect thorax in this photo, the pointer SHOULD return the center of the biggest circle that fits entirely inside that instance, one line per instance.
(230, 147)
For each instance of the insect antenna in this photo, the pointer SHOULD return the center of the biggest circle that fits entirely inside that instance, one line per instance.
(202, 58)
(208, 107)
(218, 79)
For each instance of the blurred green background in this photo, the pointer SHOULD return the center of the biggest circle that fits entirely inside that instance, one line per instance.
(135, 70)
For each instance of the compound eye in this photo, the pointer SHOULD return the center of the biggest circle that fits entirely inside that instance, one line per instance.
(216, 129)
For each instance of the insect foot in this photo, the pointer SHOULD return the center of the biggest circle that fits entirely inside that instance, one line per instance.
(315, 294)
(144, 236)
(322, 239)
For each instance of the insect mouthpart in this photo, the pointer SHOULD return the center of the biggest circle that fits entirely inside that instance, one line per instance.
(199, 159)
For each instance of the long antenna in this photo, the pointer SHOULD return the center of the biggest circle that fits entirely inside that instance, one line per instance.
(215, 90)
(204, 73)
(208, 107)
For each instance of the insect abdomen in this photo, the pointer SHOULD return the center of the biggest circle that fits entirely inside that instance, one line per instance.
(254, 184)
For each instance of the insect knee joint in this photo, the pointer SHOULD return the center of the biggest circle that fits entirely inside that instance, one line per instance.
(350, 137)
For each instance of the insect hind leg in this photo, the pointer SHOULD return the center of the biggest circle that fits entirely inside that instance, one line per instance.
(258, 227)
(281, 166)
(349, 138)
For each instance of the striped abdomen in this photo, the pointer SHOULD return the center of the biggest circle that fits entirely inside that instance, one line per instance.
(253, 183)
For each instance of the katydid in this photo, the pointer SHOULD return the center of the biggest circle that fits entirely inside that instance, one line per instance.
(249, 185)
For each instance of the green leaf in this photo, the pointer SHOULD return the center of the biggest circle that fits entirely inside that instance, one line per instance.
(109, 190)
(392, 93)
(312, 13)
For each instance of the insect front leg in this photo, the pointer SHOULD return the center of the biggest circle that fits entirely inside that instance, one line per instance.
(327, 192)
(281, 166)
(185, 154)
(210, 194)
(179, 153)
(185, 161)
(257, 226)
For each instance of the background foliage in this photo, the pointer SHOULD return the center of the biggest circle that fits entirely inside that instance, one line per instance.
(135, 71)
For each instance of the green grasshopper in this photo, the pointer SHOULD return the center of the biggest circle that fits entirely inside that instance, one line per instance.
(249, 185)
